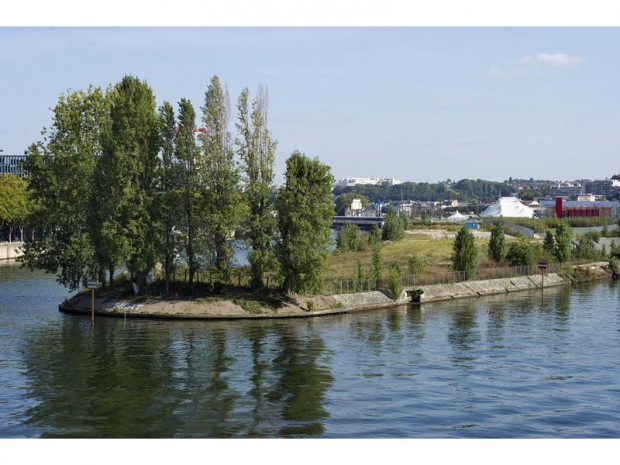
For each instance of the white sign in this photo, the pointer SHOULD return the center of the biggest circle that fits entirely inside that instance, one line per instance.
(91, 284)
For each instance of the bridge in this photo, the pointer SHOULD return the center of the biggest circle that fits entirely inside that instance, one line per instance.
(363, 222)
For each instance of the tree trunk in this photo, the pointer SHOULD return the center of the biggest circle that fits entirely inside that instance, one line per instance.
(111, 270)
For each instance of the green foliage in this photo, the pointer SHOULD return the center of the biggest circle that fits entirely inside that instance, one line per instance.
(614, 249)
(257, 152)
(305, 213)
(223, 202)
(465, 189)
(594, 235)
(395, 280)
(393, 227)
(374, 236)
(464, 253)
(16, 204)
(377, 264)
(563, 241)
(343, 202)
(586, 248)
(348, 238)
(614, 267)
(549, 243)
(168, 197)
(415, 265)
(521, 253)
(61, 181)
(497, 244)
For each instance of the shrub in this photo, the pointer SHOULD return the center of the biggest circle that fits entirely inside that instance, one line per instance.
(464, 253)
(521, 253)
(497, 244)
(563, 242)
(586, 247)
(415, 265)
(393, 227)
(395, 281)
(348, 238)
(614, 267)
(374, 237)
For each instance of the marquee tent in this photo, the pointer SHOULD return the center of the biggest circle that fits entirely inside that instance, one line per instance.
(456, 217)
(508, 207)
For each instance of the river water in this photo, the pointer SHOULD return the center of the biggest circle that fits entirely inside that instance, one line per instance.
(520, 366)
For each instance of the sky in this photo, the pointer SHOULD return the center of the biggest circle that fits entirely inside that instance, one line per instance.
(420, 104)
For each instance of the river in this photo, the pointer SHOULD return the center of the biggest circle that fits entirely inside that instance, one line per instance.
(517, 366)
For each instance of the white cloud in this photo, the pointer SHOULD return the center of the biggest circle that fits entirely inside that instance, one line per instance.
(555, 60)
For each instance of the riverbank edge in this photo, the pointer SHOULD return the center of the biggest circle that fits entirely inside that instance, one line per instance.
(302, 306)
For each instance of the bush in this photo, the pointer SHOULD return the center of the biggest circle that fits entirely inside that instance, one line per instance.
(374, 237)
(586, 248)
(348, 238)
(521, 253)
(563, 242)
(614, 267)
(395, 281)
(393, 227)
(415, 265)
(464, 253)
(497, 244)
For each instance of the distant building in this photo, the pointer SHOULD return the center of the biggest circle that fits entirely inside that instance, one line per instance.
(348, 182)
(575, 208)
(606, 188)
(12, 164)
(567, 190)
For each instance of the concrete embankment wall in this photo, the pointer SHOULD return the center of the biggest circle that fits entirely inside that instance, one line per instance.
(10, 250)
(439, 292)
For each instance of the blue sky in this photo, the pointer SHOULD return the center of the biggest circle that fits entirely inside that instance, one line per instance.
(418, 104)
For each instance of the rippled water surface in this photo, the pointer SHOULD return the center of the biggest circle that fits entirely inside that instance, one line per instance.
(516, 366)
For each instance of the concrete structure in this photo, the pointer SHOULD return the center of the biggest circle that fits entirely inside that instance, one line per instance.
(364, 222)
(10, 250)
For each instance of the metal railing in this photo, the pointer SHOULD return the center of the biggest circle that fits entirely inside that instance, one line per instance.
(349, 286)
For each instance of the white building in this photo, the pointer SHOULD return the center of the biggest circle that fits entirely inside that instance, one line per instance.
(347, 182)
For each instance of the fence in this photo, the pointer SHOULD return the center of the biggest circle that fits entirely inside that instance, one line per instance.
(348, 286)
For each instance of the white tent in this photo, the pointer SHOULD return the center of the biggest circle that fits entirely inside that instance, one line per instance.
(508, 207)
(456, 217)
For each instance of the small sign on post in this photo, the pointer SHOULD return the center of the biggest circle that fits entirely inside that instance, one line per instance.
(92, 285)
(542, 266)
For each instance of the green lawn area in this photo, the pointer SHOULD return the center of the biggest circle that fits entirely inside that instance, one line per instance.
(434, 254)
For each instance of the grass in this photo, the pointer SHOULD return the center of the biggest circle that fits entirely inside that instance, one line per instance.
(434, 254)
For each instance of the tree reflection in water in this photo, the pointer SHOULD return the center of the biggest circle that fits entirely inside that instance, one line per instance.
(176, 379)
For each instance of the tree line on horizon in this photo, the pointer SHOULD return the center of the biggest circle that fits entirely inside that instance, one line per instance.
(465, 190)
(120, 183)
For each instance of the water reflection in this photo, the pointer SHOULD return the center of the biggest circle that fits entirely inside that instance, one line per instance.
(150, 380)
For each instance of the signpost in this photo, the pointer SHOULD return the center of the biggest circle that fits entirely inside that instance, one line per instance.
(542, 266)
(92, 285)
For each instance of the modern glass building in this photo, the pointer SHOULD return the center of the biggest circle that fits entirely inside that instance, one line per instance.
(12, 164)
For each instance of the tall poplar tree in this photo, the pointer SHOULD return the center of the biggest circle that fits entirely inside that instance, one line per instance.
(132, 149)
(256, 149)
(220, 176)
(167, 189)
(305, 210)
(187, 156)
